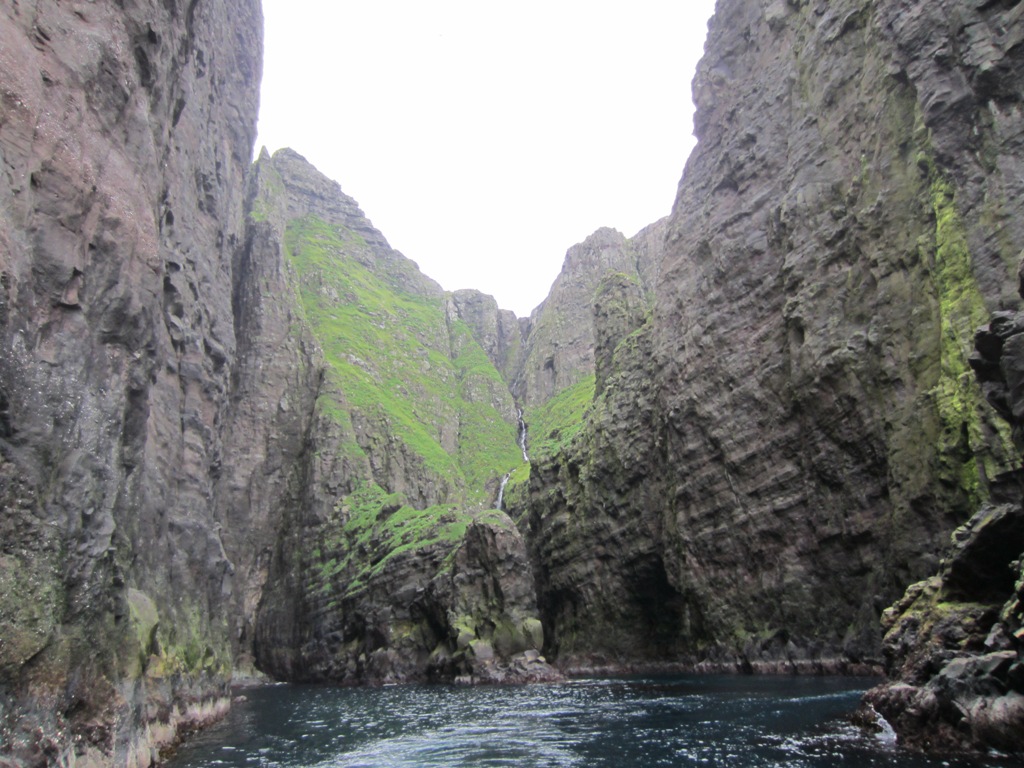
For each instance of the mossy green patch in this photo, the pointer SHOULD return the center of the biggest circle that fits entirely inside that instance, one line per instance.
(964, 448)
(554, 424)
(144, 620)
(187, 644)
(31, 598)
(372, 527)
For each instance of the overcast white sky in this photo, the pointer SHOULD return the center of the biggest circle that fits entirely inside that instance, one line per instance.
(483, 138)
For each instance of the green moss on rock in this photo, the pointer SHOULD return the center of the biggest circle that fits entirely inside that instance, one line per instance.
(30, 600)
(554, 424)
(965, 450)
(144, 621)
(372, 527)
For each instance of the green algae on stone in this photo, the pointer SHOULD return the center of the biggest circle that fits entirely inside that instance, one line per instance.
(30, 608)
(144, 621)
(964, 448)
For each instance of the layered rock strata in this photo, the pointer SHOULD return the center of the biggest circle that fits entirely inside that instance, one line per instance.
(238, 431)
(789, 440)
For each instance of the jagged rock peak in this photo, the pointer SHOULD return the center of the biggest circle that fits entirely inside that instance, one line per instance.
(601, 249)
(559, 352)
(310, 193)
(498, 331)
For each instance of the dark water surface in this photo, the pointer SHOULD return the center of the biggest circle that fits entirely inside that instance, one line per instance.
(686, 721)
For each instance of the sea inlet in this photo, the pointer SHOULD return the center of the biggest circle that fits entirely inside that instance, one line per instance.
(731, 721)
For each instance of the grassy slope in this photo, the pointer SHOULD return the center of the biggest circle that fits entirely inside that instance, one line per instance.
(559, 420)
(399, 361)
(551, 427)
(372, 527)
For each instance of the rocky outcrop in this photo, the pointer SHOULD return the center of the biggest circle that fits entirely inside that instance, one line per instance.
(954, 643)
(458, 605)
(498, 331)
(387, 564)
(789, 440)
(619, 309)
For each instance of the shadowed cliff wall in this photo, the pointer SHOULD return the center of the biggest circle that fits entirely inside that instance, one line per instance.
(789, 440)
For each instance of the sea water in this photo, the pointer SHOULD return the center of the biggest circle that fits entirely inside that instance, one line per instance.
(684, 721)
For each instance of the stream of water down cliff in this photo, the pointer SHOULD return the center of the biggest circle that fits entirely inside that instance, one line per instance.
(698, 721)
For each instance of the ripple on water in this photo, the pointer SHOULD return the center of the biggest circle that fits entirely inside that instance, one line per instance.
(693, 721)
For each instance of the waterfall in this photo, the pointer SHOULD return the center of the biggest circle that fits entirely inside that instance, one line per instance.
(522, 435)
(501, 492)
(500, 505)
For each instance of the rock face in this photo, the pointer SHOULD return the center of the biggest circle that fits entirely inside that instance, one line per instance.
(239, 432)
(559, 350)
(498, 331)
(125, 135)
(953, 645)
(199, 374)
(954, 642)
(789, 440)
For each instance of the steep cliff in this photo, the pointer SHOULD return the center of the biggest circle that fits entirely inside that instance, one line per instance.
(550, 361)
(790, 438)
(237, 430)
(498, 331)
(125, 135)
(389, 564)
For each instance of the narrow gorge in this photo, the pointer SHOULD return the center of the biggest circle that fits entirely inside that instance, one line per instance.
(242, 438)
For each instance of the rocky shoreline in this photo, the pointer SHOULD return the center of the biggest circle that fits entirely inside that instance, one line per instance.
(954, 643)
